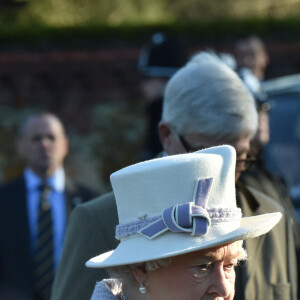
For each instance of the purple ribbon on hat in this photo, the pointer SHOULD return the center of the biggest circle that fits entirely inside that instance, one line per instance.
(187, 217)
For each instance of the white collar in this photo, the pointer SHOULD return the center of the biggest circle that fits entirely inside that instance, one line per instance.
(56, 181)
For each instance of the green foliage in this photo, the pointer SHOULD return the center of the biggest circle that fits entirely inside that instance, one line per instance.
(44, 37)
(133, 20)
(115, 139)
(58, 13)
(118, 131)
(69, 13)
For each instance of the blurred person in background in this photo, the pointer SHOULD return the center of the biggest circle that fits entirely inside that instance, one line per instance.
(160, 58)
(252, 59)
(258, 175)
(205, 104)
(251, 53)
(34, 210)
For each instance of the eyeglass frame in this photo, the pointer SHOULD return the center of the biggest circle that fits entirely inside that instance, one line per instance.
(247, 161)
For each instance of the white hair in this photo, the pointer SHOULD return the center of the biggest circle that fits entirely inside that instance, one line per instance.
(125, 276)
(124, 273)
(209, 98)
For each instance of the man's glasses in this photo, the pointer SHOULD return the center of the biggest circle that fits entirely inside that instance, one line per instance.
(241, 164)
(186, 146)
(245, 164)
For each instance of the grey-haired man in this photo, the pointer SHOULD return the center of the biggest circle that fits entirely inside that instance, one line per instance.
(205, 104)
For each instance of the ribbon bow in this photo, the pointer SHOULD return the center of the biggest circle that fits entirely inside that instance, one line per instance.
(189, 217)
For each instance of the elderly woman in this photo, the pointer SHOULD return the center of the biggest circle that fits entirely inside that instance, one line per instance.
(179, 228)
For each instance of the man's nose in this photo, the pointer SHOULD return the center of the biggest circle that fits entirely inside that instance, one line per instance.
(45, 142)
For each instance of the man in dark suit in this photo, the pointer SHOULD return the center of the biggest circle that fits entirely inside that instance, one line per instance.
(43, 144)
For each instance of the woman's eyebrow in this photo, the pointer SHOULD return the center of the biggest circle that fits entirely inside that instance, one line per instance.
(221, 255)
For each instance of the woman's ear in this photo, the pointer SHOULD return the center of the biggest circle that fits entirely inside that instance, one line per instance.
(140, 274)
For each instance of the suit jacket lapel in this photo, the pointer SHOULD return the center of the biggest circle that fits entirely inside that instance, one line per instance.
(21, 233)
(21, 211)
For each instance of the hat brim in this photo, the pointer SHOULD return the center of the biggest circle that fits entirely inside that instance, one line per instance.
(139, 249)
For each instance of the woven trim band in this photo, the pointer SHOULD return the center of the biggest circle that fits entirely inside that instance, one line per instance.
(217, 215)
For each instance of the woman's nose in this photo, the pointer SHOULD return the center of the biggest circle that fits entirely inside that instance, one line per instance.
(221, 285)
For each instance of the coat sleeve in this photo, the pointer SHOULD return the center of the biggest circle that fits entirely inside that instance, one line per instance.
(90, 231)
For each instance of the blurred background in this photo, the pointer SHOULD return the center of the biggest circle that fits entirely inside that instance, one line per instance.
(79, 58)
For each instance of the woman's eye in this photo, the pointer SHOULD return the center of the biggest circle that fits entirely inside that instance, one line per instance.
(201, 270)
(204, 267)
(230, 266)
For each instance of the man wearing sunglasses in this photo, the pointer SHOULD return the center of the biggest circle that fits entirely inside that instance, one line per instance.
(205, 104)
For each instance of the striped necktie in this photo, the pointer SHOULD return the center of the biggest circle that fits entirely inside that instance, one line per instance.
(43, 257)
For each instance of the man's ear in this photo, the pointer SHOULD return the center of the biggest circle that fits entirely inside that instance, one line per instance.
(165, 136)
(66, 145)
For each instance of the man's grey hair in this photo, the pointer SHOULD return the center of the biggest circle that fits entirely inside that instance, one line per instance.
(207, 97)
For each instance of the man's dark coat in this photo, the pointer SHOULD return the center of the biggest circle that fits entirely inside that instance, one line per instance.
(16, 272)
